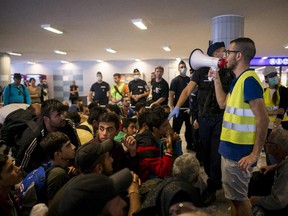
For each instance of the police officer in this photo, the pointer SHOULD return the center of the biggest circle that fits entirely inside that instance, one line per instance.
(99, 91)
(210, 118)
(138, 88)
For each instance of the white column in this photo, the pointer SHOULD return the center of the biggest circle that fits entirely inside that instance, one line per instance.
(5, 69)
(226, 28)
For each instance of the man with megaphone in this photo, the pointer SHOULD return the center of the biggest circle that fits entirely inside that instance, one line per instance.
(244, 126)
(210, 116)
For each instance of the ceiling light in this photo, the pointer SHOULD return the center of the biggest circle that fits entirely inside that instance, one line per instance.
(60, 52)
(264, 57)
(286, 46)
(14, 54)
(29, 62)
(166, 48)
(100, 61)
(65, 62)
(48, 27)
(137, 60)
(139, 23)
(111, 50)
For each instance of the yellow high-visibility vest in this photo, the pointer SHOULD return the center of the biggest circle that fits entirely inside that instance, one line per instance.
(239, 122)
(270, 106)
(114, 93)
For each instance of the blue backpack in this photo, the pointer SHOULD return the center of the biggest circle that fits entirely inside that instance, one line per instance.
(33, 188)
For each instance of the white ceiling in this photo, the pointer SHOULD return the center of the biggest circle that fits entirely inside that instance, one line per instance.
(90, 26)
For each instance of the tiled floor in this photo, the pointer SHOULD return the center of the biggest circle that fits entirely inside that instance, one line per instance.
(221, 207)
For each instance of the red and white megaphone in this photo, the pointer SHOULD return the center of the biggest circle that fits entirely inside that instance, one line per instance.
(198, 59)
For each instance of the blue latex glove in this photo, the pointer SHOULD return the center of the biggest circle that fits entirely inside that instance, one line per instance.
(175, 112)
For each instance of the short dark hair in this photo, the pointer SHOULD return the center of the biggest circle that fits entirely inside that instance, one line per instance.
(31, 79)
(246, 46)
(95, 114)
(117, 74)
(181, 62)
(154, 120)
(142, 118)
(53, 142)
(114, 108)
(51, 105)
(139, 106)
(159, 67)
(99, 72)
(127, 121)
(110, 117)
(3, 159)
(74, 117)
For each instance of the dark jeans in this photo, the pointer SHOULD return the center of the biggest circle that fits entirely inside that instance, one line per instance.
(177, 124)
(209, 131)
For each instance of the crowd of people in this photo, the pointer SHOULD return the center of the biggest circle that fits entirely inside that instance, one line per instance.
(119, 154)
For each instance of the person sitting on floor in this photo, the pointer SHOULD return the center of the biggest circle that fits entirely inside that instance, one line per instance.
(10, 175)
(276, 202)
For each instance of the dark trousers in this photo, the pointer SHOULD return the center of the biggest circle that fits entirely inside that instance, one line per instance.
(177, 124)
(209, 131)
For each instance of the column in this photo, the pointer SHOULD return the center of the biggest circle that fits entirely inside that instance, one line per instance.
(5, 69)
(226, 28)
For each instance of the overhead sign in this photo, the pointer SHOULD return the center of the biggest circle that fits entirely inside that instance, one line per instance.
(271, 61)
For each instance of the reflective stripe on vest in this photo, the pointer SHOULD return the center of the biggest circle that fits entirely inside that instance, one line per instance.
(239, 122)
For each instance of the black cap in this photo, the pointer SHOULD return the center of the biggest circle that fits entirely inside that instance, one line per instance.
(181, 62)
(136, 70)
(88, 194)
(88, 154)
(17, 75)
(213, 47)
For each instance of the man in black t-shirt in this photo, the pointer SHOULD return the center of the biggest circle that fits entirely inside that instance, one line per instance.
(160, 88)
(176, 87)
(138, 88)
(99, 91)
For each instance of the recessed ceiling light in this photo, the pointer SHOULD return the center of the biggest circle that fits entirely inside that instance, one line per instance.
(65, 62)
(14, 54)
(139, 23)
(30, 62)
(60, 52)
(111, 50)
(100, 61)
(264, 57)
(48, 27)
(166, 48)
(137, 60)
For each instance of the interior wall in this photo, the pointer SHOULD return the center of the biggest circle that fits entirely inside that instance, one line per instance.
(89, 70)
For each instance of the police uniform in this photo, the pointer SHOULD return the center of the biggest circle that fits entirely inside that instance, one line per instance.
(138, 87)
(100, 92)
(210, 118)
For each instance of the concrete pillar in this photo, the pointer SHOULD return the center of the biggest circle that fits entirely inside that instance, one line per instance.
(226, 28)
(5, 69)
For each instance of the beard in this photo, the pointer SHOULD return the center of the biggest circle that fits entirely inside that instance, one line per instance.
(232, 64)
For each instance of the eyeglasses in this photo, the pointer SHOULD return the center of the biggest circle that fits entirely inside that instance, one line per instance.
(227, 52)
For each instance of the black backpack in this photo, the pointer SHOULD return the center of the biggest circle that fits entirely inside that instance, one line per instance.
(13, 127)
